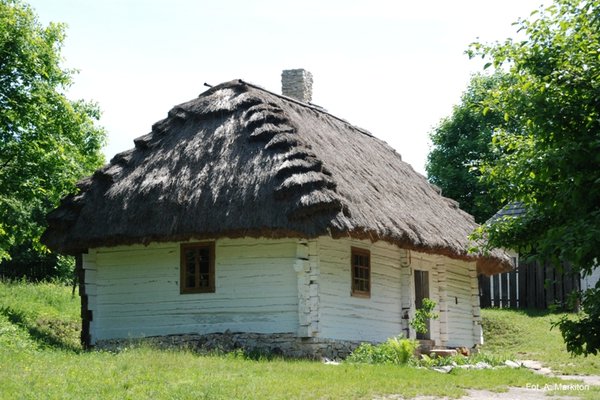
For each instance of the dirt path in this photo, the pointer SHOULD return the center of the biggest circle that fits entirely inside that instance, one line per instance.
(512, 394)
(526, 393)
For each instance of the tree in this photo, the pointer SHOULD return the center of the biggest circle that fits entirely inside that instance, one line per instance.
(552, 163)
(461, 142)
(47, 142)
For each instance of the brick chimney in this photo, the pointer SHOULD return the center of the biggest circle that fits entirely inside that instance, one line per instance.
(297, 83)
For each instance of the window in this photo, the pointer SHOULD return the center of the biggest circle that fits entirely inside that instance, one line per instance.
(361, 272)
(197, 268)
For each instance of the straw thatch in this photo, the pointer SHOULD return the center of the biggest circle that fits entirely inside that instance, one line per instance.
(241, 161)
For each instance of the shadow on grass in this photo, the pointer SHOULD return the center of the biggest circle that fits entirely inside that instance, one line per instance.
(534, 312)
(46, 332)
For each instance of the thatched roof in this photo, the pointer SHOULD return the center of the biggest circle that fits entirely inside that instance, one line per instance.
(241, 161)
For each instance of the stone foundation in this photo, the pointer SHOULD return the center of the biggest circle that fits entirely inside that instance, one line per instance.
(280, 344)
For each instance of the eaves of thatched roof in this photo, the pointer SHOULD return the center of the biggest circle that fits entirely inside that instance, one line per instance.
(241, 161)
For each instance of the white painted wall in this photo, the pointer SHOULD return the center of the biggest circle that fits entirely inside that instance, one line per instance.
(342, 316)
(463, 315)
(452, 284)
(275, 286)
(133, 291)
(589, 281)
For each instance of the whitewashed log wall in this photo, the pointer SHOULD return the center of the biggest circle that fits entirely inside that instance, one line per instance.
(463, 314)
(133, 291)
(308, 271)
(452, 284)
(345, 317)
(278, 286)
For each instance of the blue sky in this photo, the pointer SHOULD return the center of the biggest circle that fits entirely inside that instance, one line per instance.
(394, 68)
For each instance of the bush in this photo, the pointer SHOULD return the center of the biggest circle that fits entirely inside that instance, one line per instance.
(396, 350)
(423, 315)
(35, 265)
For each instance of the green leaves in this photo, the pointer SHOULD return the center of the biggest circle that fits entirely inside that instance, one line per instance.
(395, 351)
(47, 142)
(461, 143)
(422, 315)
(582, 334)
(547, 158)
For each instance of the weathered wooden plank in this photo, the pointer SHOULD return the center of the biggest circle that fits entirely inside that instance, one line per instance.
(361, 330)
(540, 301)
(138, 289)
(129, 313)
(484, 287)
(150, 329)
(531, 284)
(549, 284)
(503, 290)
(512, 279)
(462, 305)
(340, 312)
(522, 286)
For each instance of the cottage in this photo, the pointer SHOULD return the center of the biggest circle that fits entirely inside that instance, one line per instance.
(264, 219)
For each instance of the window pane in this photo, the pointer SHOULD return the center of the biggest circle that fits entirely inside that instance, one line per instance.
(190, 280)
(204, 280)
(360, 271)
(189, 258)
(203, 253)
(204, 260)
(190, 269)
(197, 273)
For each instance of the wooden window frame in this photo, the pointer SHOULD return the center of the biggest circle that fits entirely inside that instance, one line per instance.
(360, 252)
(211, 268)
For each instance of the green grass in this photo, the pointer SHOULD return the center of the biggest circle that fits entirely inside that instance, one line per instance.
(35, 316)
(40, 358)
(146, 373)
(527, 334)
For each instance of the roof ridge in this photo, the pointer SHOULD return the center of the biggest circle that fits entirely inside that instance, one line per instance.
(308, 105)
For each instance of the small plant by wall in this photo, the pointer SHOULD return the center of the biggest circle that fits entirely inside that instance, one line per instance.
(396, 350)
(422, 315)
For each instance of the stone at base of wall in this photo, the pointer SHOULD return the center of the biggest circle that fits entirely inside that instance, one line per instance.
(282, 344)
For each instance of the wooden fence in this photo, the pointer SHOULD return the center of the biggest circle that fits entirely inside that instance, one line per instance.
(529, 286)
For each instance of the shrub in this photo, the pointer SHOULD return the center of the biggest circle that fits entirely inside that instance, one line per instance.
(397, 350)
(36, 265)
(422, 315)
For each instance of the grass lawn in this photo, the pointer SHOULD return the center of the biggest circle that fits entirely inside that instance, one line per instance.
(40, 358)
(527, 334)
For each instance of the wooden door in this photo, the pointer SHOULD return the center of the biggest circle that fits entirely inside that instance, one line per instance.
(421, 292)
